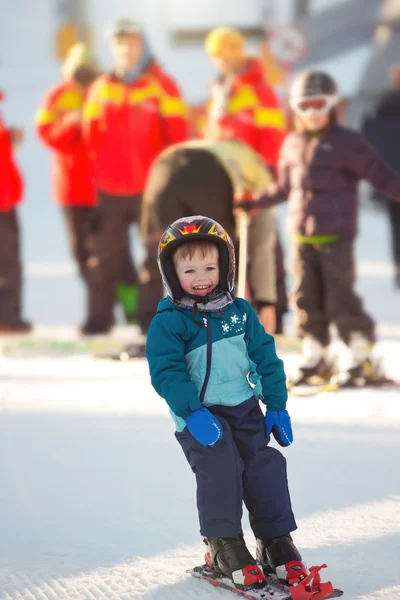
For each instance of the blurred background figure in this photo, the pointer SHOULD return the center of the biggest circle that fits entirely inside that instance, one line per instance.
(60, 127)
(382, 128)
(131, 115)
(11, 191)
(205, 177)
(320, 166)
(243, 106)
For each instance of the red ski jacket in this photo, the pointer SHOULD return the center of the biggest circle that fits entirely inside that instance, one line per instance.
(128, 125)
(59, 126)
(11, 187)
(252, 113)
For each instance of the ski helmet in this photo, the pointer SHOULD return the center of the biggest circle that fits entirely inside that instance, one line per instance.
(189, 229)
(313, 83)
(313, 90)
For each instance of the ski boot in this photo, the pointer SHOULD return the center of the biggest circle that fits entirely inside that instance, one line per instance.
(281, 559)
(94, 326)
(18, 326)
(363, 368)
(15, 327)
(130, 352)
(369, 373)
(279, 556)
(230, 557)
(315, 367)
(353, 377)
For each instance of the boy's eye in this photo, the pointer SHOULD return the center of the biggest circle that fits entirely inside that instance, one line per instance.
(210, 269)
(188, 271)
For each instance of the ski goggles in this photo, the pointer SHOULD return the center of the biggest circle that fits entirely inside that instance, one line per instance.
(319, 104)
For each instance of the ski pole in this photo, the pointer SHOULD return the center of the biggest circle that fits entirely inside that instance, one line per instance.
(243, 231)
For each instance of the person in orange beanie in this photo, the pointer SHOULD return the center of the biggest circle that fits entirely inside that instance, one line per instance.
(243, 106)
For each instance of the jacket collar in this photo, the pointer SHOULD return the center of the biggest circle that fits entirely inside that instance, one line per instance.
(251, 74)
(216, 301)
(151, 70)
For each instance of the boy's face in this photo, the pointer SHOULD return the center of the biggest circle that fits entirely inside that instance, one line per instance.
(199, 275)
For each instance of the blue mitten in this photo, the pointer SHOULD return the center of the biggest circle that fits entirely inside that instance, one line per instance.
(204, 427)
(278, 423)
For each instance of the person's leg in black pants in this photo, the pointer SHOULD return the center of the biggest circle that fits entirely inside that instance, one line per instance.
(110, 261)
(394, 216)
(10, 275)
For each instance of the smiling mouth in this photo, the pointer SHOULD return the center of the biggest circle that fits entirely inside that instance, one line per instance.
(201, 288)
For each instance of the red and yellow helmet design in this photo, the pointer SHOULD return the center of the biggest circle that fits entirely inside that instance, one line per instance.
(190, 226)
(195, 228)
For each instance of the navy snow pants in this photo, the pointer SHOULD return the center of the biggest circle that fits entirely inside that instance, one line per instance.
(240, 467)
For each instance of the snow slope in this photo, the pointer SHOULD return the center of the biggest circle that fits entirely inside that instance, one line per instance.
(97, 501)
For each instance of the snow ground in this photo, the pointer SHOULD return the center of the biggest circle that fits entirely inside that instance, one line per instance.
(97, 501)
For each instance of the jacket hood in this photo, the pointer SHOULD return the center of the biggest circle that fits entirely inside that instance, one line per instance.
(216, 302)
(156, 70)
(164, 305)
(253, 73)
(152, 68)
(143, 65)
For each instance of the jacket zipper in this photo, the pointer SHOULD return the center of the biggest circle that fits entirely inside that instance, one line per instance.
(209, 357)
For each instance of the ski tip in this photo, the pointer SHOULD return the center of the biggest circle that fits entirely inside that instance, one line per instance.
(336, 593)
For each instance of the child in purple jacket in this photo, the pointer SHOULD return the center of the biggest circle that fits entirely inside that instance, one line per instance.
(320, 166)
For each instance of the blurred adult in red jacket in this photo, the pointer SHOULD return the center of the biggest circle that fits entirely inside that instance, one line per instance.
(131, 115)
(11, 190)
(243, 106)
(59, 126)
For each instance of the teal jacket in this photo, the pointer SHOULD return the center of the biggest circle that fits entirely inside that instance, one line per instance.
(244, 362)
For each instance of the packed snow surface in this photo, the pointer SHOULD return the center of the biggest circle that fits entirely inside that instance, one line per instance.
(97, 501)
(96, 498)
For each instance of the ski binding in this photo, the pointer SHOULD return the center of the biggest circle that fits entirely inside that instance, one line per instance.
(311, 588)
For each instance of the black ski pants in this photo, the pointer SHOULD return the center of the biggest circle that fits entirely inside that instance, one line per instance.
(10, 269)
(78, 222)
(324, 280)
(394, 217)
(111, 261)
